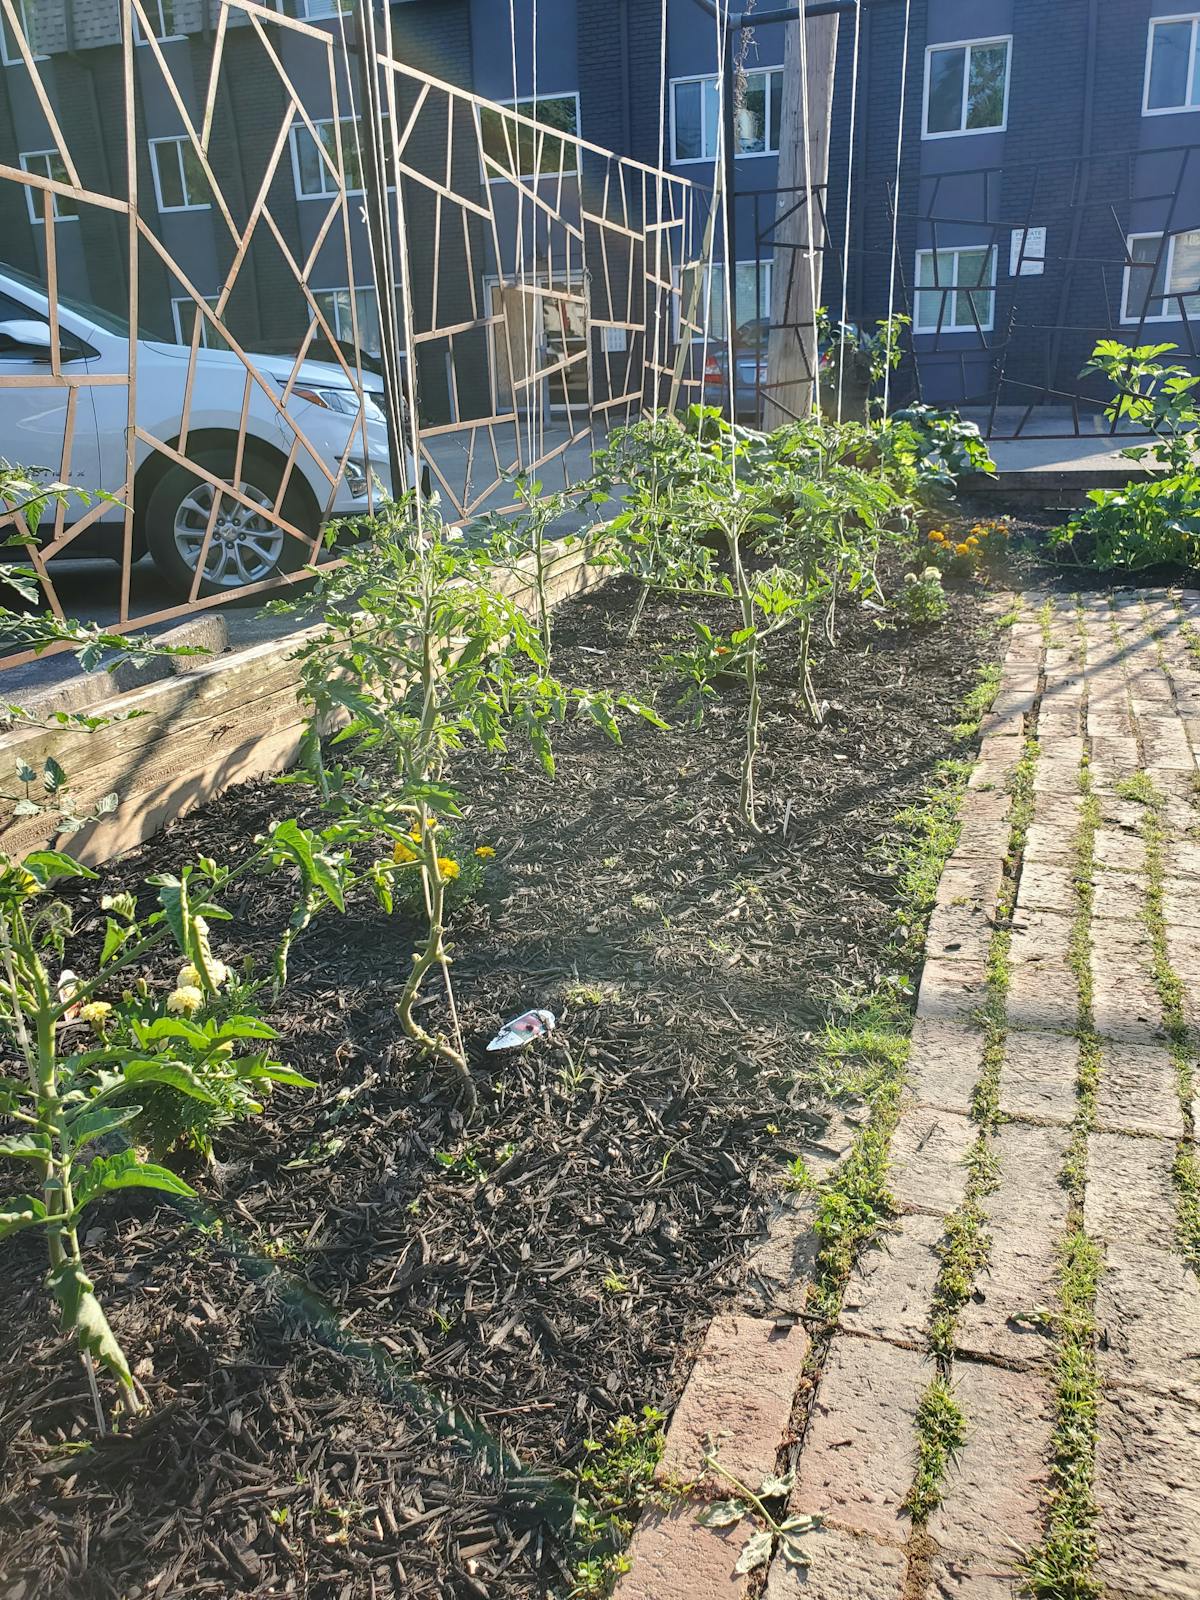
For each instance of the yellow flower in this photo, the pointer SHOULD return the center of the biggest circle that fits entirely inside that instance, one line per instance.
(185, 1000)
(97, 1012)
(447, 868)
(937, 537)
(484, 852)
(403, 852)
(190, 977)
(973, 543)
(962, 549)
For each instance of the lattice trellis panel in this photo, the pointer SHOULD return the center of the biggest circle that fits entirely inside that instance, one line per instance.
(535, 287)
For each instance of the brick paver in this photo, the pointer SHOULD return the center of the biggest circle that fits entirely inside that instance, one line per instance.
(737, 1402)
(1109, 689)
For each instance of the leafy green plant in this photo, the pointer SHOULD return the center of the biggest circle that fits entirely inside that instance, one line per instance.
(922, 599)
(787, 1530)
(1156, 522)
(615, 1481)
(521, 542)
(420, 656)
(79, 1093)
(930, 449)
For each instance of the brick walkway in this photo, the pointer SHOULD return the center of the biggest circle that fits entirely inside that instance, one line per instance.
(1049, 1116)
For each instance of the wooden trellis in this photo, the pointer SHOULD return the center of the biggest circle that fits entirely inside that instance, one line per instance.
(534, 279)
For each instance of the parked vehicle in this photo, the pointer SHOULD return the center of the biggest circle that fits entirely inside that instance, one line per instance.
(323, 417)
(750, 366)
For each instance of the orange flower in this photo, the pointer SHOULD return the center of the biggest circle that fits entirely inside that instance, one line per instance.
(937, 537)
(962, 549)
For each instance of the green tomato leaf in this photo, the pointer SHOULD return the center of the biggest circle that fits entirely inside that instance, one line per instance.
(47, 865)
(31, 1148)
(125, 1171)
(87, 1125)
(22, 1211)
(82, 1315)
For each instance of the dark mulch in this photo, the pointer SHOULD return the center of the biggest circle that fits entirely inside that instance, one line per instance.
(373, 1372)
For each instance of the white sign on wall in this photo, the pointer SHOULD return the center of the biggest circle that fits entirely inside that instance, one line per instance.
(1027, 252)
(614, 340)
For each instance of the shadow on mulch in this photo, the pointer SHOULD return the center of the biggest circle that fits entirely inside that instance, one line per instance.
(375, 1350)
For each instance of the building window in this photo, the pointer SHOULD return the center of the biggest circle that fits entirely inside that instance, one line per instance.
(335, 307)
(47, 164)
(184, 312)
(1172, 81)
(696, 116)
(314, 10)
(966, 88)
(31, 25)
(510, 148)
(316, 176)
(179, 180)
(161, 16)
(956, 290)
(1162, 282)
(752, 302)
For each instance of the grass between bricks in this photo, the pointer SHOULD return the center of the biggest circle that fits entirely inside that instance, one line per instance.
(1062, 1567)
(866, 1055)
(965, 1245)
(1186, 1170)
(978, 701)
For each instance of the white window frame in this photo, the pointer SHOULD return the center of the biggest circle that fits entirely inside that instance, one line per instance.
(1189, 105)
(33, 196)
(1174, 312)
(539, 177)
(962, 131)
(178, 141)
(954, 288)
(210, 300)
(152, 7)
(17, 60)
(766, 267)
(326, 193)
(346, 336)
(770, 73)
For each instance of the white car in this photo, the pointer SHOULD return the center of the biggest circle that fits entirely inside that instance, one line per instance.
(172, 504)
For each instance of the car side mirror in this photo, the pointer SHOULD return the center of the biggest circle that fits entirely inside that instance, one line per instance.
(29, 337)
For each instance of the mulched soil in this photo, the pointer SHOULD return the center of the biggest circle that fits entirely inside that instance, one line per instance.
(372, 1371)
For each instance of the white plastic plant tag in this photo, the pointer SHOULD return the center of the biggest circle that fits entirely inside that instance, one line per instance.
(522, 1030)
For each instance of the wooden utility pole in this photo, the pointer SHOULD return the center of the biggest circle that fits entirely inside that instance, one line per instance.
(799, 226)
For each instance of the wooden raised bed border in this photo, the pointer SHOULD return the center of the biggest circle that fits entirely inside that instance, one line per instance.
(225, 722)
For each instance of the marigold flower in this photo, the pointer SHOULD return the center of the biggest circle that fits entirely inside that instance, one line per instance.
(931, 575)
(937, 537)
(447, 868)
(485, 852)
(185, 1000)
(962, 549)
(403, 852)
(190, 976)
(97, 1012)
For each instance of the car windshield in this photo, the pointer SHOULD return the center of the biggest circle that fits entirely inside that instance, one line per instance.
(108, 320)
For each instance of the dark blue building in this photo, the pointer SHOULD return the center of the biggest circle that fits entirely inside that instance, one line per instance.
(1048, 186)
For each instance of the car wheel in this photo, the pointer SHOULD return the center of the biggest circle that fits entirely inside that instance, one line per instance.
(247, 546)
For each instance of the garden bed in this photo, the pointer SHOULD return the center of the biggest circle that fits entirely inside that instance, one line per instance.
(376, 1346)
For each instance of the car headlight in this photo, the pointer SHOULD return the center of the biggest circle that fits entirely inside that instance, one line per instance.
(347, 402)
